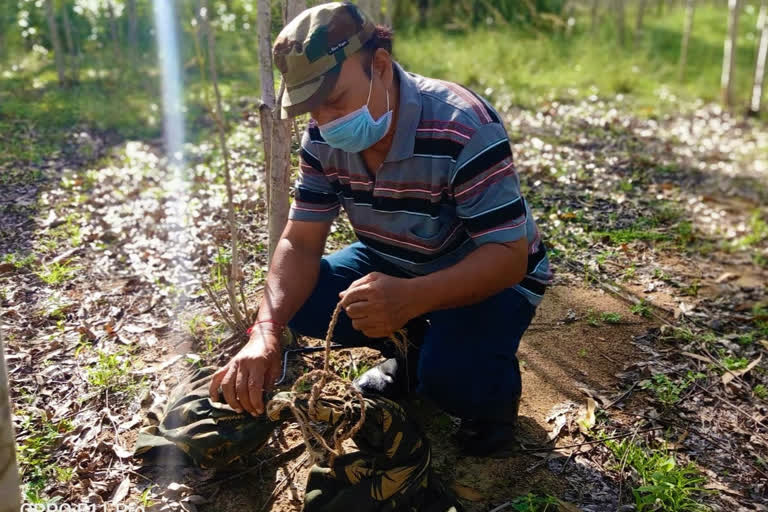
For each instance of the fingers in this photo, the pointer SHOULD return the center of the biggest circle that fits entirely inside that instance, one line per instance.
(242, 384)
(228, 387)
(360, 309)
(213, 389)
(356, 294)
(255, 389)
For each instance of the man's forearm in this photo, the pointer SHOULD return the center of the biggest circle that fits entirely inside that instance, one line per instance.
(291, 278)
(486, 271)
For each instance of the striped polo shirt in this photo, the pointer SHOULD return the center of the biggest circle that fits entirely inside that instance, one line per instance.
(447, 186)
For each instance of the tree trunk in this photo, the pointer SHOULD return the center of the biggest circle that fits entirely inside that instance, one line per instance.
(280, 156)
(593, 15)
(133, 28)
(58, 52)
(423, 8)
(762, 53)
(264, 27)
(72, 49)
(639, 20)
(114, 30)
(620, 21)
(9, 474)
(729, 52)
(690, 9)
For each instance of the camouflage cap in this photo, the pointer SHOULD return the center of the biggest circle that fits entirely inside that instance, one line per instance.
(309, 52)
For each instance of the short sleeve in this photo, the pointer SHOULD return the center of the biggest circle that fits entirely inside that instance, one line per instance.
(314, 199)
(486, 188)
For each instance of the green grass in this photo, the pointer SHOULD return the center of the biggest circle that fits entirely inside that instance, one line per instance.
(39, 438)
(642, 309)
(661, 483)
(112, 372)
(534, 67)
(668, 391)
(57, 273)
(534, 503)
(596, 319)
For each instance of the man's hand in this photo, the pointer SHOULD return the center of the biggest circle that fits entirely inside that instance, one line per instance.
(253, 370)
(378, 304)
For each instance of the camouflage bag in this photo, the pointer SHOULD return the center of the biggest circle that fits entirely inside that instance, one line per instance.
(191, 429)
(390, 472)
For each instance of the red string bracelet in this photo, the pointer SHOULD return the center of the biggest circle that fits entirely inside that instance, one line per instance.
(278, 324)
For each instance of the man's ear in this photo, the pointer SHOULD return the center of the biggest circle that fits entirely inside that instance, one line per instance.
(382, 66)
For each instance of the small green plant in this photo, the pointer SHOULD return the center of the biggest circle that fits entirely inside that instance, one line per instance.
(535, 503)
(582, 352)
(35, 451)
(758, 232)
(19, 261)
(735, 363)
(629, 272)
(662, 484)
(685, 234)
(595, 320)
(350, 373)
(112, 372)
(57, 273)
(668, 391)
(760, 391)
(642, 308)
(144, 497)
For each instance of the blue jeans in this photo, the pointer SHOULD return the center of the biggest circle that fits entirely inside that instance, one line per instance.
(467, 363)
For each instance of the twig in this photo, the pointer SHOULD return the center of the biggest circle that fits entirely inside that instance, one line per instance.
(556, 448)
(622, 397)
(292, 451)
(285, 480)
(731, 405)
(223, 313)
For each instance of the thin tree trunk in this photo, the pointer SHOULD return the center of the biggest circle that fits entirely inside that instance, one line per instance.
(729, 52)
(280, 157)
(72, 49)
(264, 27)
(423, 8)
(639, 20)
(114, 30)
(133, 28)
(620, 21)
(58, 52)
(235, 270)
(762, 53)
(593, 15)
(9, 476)
(690, 9)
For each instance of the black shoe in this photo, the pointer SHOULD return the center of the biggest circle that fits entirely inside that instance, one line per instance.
(490, 438)
(395, 378)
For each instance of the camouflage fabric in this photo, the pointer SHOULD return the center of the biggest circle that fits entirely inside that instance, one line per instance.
(310, 49)
(191, 429)
(390, 472)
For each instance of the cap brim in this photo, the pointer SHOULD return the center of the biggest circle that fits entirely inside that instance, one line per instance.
(305, 97)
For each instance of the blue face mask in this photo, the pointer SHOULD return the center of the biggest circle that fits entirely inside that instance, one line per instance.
(357, 130)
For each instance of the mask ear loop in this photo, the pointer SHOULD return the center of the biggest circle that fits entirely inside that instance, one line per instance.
(370, 89)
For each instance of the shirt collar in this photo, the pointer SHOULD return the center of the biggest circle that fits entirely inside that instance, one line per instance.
(409, 114)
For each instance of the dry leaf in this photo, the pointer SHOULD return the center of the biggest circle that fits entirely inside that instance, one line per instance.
(122, 491)
(467, 493)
